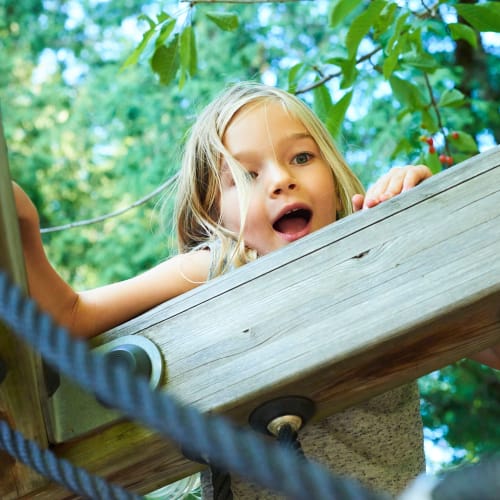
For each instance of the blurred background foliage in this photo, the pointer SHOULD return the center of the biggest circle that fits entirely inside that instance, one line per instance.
(97, 96)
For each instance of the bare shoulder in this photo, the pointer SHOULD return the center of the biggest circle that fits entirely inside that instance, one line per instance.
(179, 273)
(193, 266)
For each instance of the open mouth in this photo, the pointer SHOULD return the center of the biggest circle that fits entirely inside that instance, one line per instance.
(293, 222)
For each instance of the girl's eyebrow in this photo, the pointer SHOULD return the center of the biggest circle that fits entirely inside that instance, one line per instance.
(299, 135)
(245, 156)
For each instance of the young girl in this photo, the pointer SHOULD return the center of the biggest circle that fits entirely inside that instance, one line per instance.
(259, 172)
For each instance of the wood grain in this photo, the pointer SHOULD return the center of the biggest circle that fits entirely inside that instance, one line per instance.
(367, 304)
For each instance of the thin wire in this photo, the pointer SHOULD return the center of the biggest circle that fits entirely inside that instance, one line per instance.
(121, 211)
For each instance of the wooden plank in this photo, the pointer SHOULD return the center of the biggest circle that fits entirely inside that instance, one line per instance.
(19, 392)
(369, 303)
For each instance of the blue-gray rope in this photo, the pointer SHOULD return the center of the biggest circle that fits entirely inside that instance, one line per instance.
(223, 444)
(76, 479)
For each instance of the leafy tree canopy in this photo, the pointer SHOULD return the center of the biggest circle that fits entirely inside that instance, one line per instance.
(97, 96)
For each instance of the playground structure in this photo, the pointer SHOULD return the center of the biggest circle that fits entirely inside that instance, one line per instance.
(374, 301)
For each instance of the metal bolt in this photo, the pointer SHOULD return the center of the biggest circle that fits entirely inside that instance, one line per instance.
(294, 421)
(270, 416)
(133, 357)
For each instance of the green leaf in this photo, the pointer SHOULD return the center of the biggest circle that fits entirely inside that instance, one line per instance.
(391, 60)
(224, 20)
(134, 57)
(187, 51)
(165, 32)
(398, 29)
(390, 63)
(461, 31)
(420, 60)
(407, 93)
(384, 20)
(144, 17)
(451, 97)
(341, 9)
(349, 70)
(464, 142)
(483, 17)
(402, 146)
(162, 17)
(361, 26)
(432, 161)
(429, 120)
(294, 74)
(415, 39)
(165, 61)
(322, 103)
(337, 114)
(349, 74)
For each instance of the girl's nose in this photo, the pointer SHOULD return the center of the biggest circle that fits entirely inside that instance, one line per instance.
(281, 180)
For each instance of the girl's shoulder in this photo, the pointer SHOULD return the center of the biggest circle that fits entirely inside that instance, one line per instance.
(217, 259)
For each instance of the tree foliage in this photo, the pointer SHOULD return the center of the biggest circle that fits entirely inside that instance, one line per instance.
(97, 96)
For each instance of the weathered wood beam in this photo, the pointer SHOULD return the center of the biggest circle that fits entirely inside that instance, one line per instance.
(19, 392)
(369, 303)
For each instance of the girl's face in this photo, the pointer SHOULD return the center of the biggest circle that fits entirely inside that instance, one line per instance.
(292, 191)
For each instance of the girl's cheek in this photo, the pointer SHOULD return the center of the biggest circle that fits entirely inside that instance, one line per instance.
(230, 213)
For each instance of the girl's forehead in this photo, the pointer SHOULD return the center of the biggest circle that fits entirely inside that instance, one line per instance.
(267, 111)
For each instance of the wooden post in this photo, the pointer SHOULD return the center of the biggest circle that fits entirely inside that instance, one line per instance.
(369, 303)
(19, 392)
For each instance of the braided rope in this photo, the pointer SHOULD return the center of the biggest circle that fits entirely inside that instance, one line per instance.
(221, 484)
(59, 470)
(224, 444)
(289, 439)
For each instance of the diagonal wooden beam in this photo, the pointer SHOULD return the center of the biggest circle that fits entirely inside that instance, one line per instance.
(369, 303)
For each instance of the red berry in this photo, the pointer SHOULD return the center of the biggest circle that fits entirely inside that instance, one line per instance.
(432, 150)
(449, 160)
(455, 135)
(443, 158)
(430, 141)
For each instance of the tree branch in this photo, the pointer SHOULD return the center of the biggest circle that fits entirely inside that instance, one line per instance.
(434, 105)
(121, 211)
(334, 75)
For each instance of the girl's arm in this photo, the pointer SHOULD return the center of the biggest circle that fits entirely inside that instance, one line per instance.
(95, 311)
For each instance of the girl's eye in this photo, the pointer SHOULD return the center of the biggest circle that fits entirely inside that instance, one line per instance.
(253, 175)
(302, 158)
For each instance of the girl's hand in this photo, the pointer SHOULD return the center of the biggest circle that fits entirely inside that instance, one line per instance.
(396, 181)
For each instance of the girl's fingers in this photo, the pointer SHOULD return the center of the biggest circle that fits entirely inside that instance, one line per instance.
(396, 181)
(357, 202)
(375, 193)
(416, 175)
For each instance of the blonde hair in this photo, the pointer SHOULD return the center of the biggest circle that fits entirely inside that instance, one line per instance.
(199, 184)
